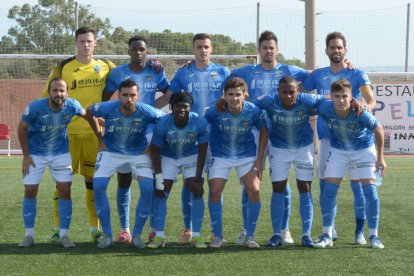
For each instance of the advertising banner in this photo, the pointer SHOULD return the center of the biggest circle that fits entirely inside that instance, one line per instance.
(395, 111)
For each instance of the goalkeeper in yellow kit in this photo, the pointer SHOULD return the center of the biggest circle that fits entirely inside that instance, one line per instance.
(86, 79)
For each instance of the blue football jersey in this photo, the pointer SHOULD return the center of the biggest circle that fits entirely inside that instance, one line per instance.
(321, 80)
(126, 134)
(263, 82)
(147, 80)
(47, 128)
(176, 142)
(231, 136)
(350, 133)
(290, 127)
(205, 86)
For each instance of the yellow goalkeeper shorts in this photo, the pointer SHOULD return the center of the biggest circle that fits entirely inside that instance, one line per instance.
(83, 149)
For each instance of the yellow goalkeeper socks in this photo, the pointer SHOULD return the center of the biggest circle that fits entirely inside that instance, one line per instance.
(90, 205)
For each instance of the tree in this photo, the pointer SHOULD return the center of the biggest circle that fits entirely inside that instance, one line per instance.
(48, 28)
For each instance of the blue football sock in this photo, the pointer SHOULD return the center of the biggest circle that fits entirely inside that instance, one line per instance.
(372, 205)
(160, 211)
(103, 210)
(197, 213)
(244, 200)
(277, 209)
(146, 188)
(216, 218)
(65, 213)
(306, 212)
(152, 214)
(123, 198)
(252, 216)
(359, 205)
(29, 212)
(321, 188)
(186, 206)
(288, 203)
(328, 203)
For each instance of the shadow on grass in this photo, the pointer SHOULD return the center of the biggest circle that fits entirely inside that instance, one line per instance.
(84, 248)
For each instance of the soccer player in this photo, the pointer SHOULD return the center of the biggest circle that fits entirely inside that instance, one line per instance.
(179, 145)
(291, 138)
(123, 143)
(321, 80)
(43, 139)
(86, 78)
(356, 141)
(204, 80)
(233, 144)
(262, 79)
(149, 79)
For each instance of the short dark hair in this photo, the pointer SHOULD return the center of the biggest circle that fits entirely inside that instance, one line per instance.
(340, 85)
(267, 35)
(84, 30)
(181, 97)
(201, 36)
(53, 80)
(288, 80)
(128, 83)
(335, 35)
(235, 83)
(137, 38)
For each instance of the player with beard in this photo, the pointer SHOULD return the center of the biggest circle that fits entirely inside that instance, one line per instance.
(321, 80)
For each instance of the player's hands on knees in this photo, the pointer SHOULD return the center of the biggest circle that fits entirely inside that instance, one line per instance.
(156, 65)
(27, 161)
(357, 107)
(221, 105)
(196, 186)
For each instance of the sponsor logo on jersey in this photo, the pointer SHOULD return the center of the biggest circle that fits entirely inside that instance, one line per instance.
(97, 68)
(137, 121)
(279, 73)
(351, 126)
(213, 75)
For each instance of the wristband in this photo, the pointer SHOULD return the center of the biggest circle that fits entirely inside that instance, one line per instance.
(159, 181)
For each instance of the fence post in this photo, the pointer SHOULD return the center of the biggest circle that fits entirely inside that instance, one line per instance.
(407, 39)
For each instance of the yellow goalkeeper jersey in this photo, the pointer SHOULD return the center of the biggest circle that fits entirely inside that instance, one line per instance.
(86, 83)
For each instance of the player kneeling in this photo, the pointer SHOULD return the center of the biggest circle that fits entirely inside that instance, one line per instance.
(233, 144)
(354, 141)
(179, 145)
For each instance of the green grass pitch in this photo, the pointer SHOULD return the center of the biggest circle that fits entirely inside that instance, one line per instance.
(396, 231)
